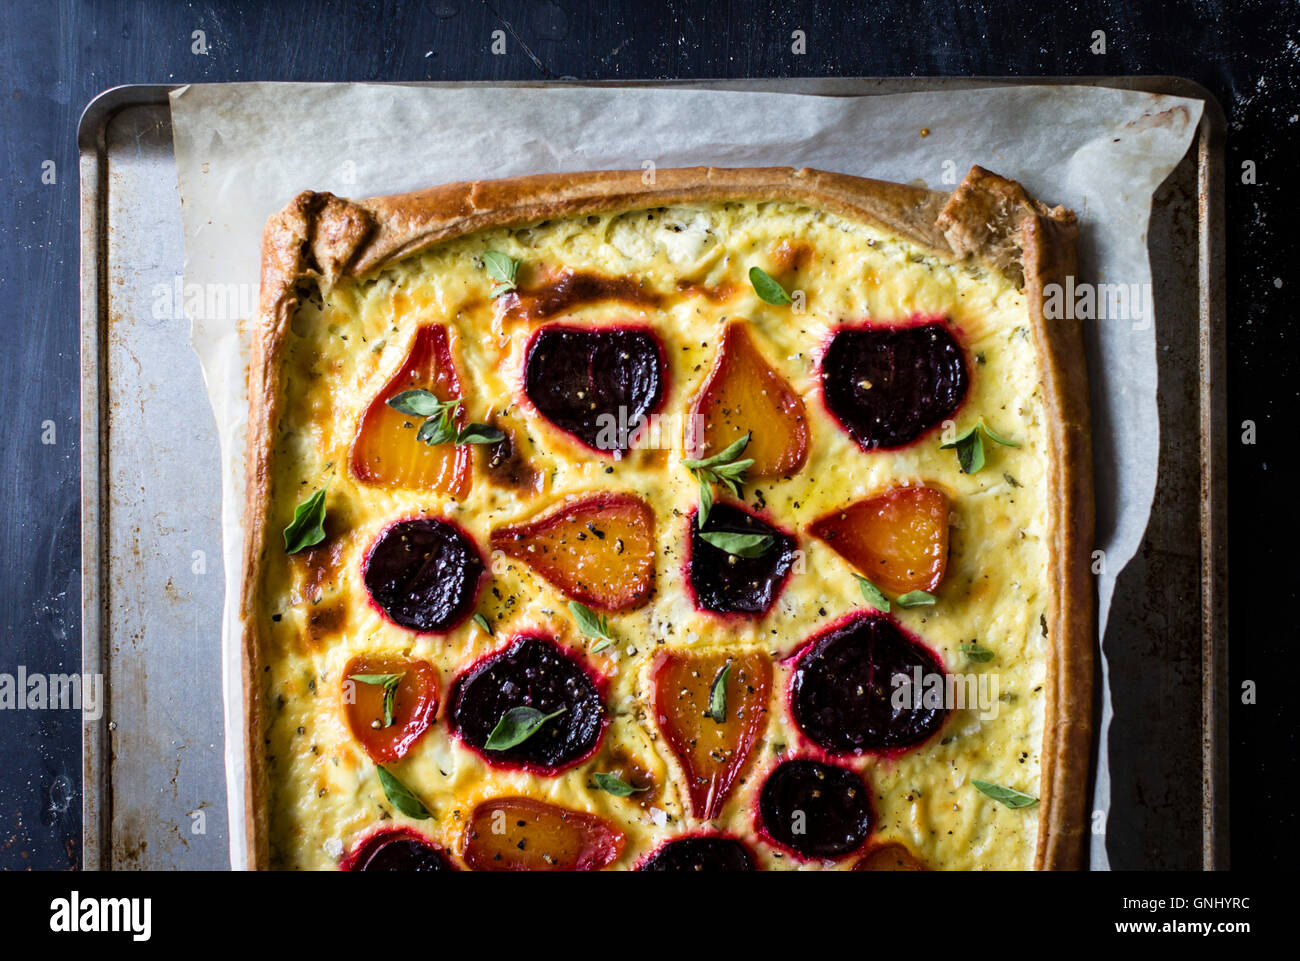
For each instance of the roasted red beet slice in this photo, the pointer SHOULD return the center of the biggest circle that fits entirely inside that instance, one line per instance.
(815, 810)
(706, 852)
(525, 834)
(599, 550)
(841, 689)
(531, 671)
(712, 752)
(888, 385)
(398, 850)
(727, 584)
(424, 574)
(598, 384)
(414, 702)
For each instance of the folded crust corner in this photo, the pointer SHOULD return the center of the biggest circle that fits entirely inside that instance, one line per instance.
(983, 218)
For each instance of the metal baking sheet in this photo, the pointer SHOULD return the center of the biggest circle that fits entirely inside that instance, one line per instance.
(152, 584)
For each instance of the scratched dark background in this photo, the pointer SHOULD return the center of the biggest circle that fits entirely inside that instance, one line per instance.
(56, 56)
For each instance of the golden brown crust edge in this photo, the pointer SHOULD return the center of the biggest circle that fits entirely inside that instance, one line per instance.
(1049, 257)
(322, 236)
(997, 221)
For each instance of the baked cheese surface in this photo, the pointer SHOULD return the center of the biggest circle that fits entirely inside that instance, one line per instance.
(682, 272)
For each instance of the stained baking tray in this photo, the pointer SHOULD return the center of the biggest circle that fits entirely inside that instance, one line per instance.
(152, 582)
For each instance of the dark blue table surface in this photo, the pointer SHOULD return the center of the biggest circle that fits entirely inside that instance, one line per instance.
(57, 56)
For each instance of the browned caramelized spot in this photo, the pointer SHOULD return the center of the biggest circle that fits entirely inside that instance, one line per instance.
(717, 294)
(319, 566)
(646, 458)
(562, 292)
(620, 761)
(325, 621)
(790, 257)
(506, 465)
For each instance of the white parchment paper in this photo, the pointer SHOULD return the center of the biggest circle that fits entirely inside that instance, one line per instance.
(244, 150)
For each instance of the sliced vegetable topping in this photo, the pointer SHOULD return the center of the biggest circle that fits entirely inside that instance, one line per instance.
(424, 574)
(530, 704)
(599, 550)
(706, 852)
(744, 395)
(388, 452)
(815, 810)
(711, 708)
(842, 693)
(738, 563)
(389, 703)
(888, 385)
(898, 540)
(397, 849)
(597, 384)
(525, 834)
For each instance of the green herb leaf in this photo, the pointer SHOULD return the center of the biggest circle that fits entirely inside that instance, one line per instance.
(417, 403)
(307, 529)
(741, 545)
(718, 695)
(376, 679)
(767, 288)
(970, 446)
(915, 599)
(721, 468)
(994, 436)
(1008, 796)
(727, 454)
(975, 652)
(872, 594)
(516, 726)
(735, 471)
(615, 785)
(480, 434)
(502, 269)
(440, 429)
(970, 450)
(400, 796)
(389, 683)
(591, 623)
(600, 646)
(706, 502)
(483, 624)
